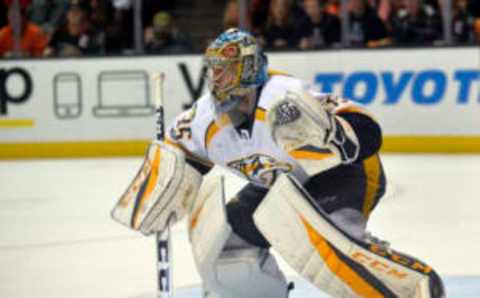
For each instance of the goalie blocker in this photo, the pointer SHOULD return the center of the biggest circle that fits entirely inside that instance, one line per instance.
(331, 259)
(165, 186)
(304, 125)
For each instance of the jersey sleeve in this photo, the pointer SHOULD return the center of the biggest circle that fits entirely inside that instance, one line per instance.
(186, 132)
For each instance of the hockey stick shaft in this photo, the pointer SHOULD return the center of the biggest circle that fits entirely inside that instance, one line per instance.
(162, 239)
(160, 131)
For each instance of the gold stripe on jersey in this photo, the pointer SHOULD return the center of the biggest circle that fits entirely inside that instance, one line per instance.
(260, 114)
(337, 266)
(272, 72)
(311, 152)
(215, 126)
(302, 154)
(212, 130)
(371, 166)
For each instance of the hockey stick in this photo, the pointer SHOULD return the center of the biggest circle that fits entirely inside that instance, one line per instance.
(162, 239)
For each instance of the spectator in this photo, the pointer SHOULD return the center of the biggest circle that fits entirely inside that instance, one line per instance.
(119, 31)
(366, 28)
(48, 14)
(318, 29)
(231, 16)
(280, 31)
(259, 14)
(151, 7)
(122, 4)
(256, 15)
(462, 22)
(387, 9)
(476, 31)
(3, 14)
(114, 20)
(76, 39)
(384, 9)
(332, 7)
(32, 39)
(416, 23)
(23, 3)
(164, 37)
(474, 7)
(99, 14)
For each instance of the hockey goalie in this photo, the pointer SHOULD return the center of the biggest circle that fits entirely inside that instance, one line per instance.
(314, 175)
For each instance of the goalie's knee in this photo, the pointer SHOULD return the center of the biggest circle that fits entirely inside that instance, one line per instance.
(240, 214)
(244, 271)
(229, 266)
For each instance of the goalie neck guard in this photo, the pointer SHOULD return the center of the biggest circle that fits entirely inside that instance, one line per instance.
(235, 66)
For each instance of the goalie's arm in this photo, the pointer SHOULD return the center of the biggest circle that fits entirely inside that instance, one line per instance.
(202, 165)
(186, 133)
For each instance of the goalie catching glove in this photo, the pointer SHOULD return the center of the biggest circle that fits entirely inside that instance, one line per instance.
(165, 186)
(306, 128)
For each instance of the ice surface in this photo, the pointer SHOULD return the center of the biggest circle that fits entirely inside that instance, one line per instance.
(460, 286)
(57, 240)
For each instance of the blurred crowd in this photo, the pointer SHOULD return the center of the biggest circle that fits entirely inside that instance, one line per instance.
(315, 24)
(36, 28)
(85, 27)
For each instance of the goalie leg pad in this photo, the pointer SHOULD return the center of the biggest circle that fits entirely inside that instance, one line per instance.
(228, 265)
(164, 186)
(245, 271)
(332, 260)
(207, 225)
(302, 126)
(351, 221)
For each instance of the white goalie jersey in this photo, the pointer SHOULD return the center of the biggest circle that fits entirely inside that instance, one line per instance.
(251, 154)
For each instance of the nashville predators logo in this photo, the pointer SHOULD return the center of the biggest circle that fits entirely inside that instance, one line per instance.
(260, 168)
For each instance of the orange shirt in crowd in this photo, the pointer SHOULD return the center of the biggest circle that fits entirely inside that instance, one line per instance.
(32, 43)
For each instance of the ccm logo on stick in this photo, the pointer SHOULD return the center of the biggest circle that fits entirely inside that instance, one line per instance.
(5, 95)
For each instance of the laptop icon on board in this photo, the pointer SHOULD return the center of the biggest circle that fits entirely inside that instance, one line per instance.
(123, 94)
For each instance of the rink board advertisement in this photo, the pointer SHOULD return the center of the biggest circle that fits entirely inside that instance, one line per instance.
(426, 100)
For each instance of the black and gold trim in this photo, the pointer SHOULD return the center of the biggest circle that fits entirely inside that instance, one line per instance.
(212, 130)
(374, 183)
(311, 152)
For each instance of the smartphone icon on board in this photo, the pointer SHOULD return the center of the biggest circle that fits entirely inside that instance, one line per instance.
(67, 95)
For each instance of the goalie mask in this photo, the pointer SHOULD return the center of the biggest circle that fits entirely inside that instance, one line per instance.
(235, 66)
